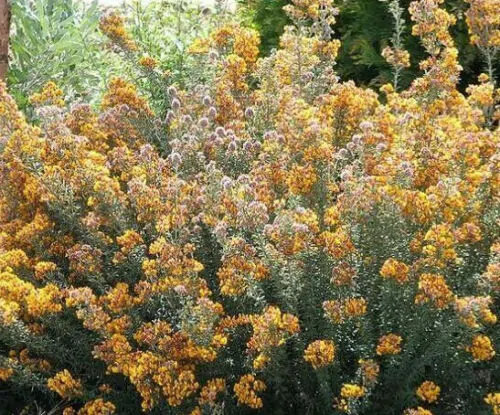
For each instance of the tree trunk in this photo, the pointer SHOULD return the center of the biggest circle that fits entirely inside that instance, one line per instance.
(4, 37)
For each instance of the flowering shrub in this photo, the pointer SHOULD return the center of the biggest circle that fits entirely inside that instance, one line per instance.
(276, 240)
(59, 40)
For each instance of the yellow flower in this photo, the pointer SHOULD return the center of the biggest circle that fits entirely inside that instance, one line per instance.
(493, 399)
(49, 95)
(399, 58)
(260, 361)
(481, 348)
(97, 407)
(395, 269)
(389, 344)
(44, 300)
(338, 244)
(148, 62)
(5, 373)
(65, 385)
(475, 310)
(428, 391)
(320, 353)
(301, 179)
(42, 268)
(338, 310)
(128, 241)
(112, 25)
(199, 47)
(484, 23)
(417, 411)
(271, 329)
(209, 392)
(121, 92)
(434, 288)
(246, 391)
(352, 391)
(355, 307)
(9, 312)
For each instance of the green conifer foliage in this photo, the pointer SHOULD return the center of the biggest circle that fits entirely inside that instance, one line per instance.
(365, 27)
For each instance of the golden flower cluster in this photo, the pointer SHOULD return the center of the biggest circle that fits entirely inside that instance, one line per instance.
(369, 371)
(49, 95)
(395, 269)
(97, 407)
(148, 62)
(433, 288)
(389, 344)
(484, 23)
(65, 385)
(246, 391)
(493, 399)
(351, 391)
(320, 353)
(417, 411)
(428, 391)
(481, 348)
(396, 57)
(113, 25)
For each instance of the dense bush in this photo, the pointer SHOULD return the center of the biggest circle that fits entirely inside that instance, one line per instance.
(266, 238)
(364, 27)
(59, 40)
(162, 31)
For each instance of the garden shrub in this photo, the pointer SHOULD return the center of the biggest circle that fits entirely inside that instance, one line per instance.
(270, 239)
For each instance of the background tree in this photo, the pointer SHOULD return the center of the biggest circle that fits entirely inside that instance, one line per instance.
(4, 37)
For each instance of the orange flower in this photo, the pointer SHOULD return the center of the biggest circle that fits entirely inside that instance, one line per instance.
(65, 385)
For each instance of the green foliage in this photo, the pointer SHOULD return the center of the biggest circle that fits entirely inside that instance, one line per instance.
(364, 27)
(269, 19)
(60, 40)
(57, 40)
(164, 30)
